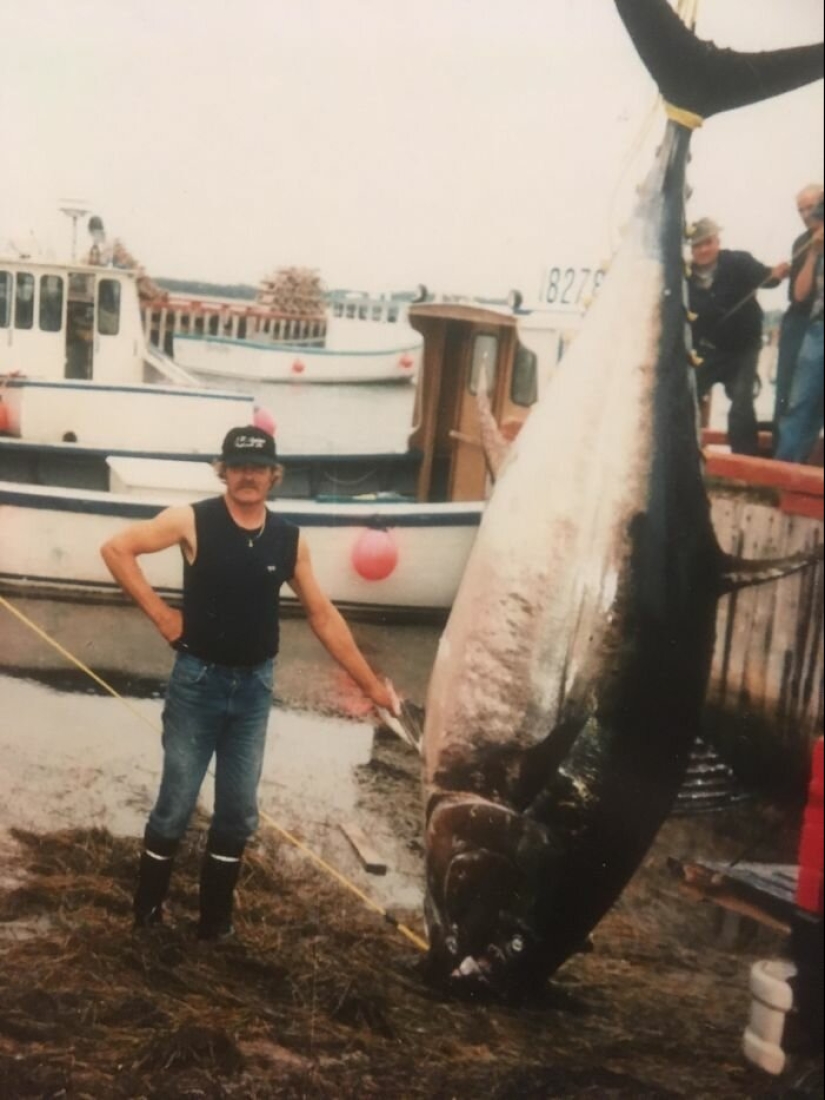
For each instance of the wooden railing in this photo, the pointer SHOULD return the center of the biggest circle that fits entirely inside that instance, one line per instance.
(165, 318)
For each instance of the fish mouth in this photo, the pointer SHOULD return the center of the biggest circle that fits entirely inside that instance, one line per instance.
(500, 971)
(485, 869)
(508, 970)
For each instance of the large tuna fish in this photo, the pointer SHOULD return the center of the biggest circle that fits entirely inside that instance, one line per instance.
(570, 679)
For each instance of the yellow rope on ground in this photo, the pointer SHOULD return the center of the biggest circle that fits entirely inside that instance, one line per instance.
(330, 870)
(75, 661)
(299, 844)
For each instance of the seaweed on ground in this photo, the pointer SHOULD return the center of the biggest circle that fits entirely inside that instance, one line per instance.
(318, 998)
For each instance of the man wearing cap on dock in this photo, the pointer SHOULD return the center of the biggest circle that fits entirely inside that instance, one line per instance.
(726, 320)
(236, 555)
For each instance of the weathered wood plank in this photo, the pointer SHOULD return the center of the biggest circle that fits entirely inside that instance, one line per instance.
(371, 861)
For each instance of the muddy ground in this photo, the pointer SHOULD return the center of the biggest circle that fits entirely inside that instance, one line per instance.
(319, 997)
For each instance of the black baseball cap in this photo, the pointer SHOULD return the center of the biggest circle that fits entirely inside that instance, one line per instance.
(249, 446)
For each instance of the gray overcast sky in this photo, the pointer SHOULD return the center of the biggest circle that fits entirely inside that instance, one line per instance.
(462, 144)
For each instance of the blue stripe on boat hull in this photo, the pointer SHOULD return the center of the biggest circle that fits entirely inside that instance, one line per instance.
(359, 516)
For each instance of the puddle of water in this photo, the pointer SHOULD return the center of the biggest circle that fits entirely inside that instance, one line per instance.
(82, 760)
(73, 760)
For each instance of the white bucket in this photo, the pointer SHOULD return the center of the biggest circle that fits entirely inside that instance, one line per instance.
(771, 1000)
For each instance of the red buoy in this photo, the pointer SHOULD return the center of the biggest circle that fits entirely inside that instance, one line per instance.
(375, 555)
(298, 367)
(264, 420)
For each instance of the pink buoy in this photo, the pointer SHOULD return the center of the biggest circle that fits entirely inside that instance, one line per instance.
(374, 555)
(298, 367)
(406, 362)
(264, 420)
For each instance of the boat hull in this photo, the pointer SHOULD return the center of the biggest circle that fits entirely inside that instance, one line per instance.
(252, 362)
(51, 539)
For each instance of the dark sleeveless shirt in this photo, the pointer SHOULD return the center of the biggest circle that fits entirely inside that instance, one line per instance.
(231, 592)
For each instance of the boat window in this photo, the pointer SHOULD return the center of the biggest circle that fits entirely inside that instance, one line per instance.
(524, 388)
(214, 322)
(51, 303)
(24, 301)
(242, 328)
(485, 356)
(108, 307)
(5, 299)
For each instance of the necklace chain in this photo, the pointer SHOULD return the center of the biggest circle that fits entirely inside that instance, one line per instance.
(252, 539)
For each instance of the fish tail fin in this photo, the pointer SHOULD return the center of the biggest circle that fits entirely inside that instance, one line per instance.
(698, 77)
(740, 573)
(496, 447)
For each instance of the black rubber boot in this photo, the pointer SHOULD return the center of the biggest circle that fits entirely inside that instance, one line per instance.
(219, 875)
(156, 862)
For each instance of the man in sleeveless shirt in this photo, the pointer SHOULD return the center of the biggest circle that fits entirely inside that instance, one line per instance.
(236, 555)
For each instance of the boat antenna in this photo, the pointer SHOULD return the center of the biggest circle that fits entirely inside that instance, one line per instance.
(74, 209)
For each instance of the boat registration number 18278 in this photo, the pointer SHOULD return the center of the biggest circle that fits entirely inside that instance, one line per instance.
(570, 287)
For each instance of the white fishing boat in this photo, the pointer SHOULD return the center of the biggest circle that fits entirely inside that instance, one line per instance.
(78, 381)
(287, 337)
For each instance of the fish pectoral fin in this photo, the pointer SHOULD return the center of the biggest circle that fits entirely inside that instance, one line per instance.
(741, 573)
(496, 448)
(542, 761)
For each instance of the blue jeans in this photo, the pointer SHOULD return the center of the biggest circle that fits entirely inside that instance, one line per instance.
(212, 710)
(800, 426)
(791, 336)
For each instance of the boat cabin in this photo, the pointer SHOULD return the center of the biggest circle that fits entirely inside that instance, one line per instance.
(74, 322)
(78, 382)
(466, 347)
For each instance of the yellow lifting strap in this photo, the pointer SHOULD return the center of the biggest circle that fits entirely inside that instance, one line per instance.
(688, 10)
(684, 118)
